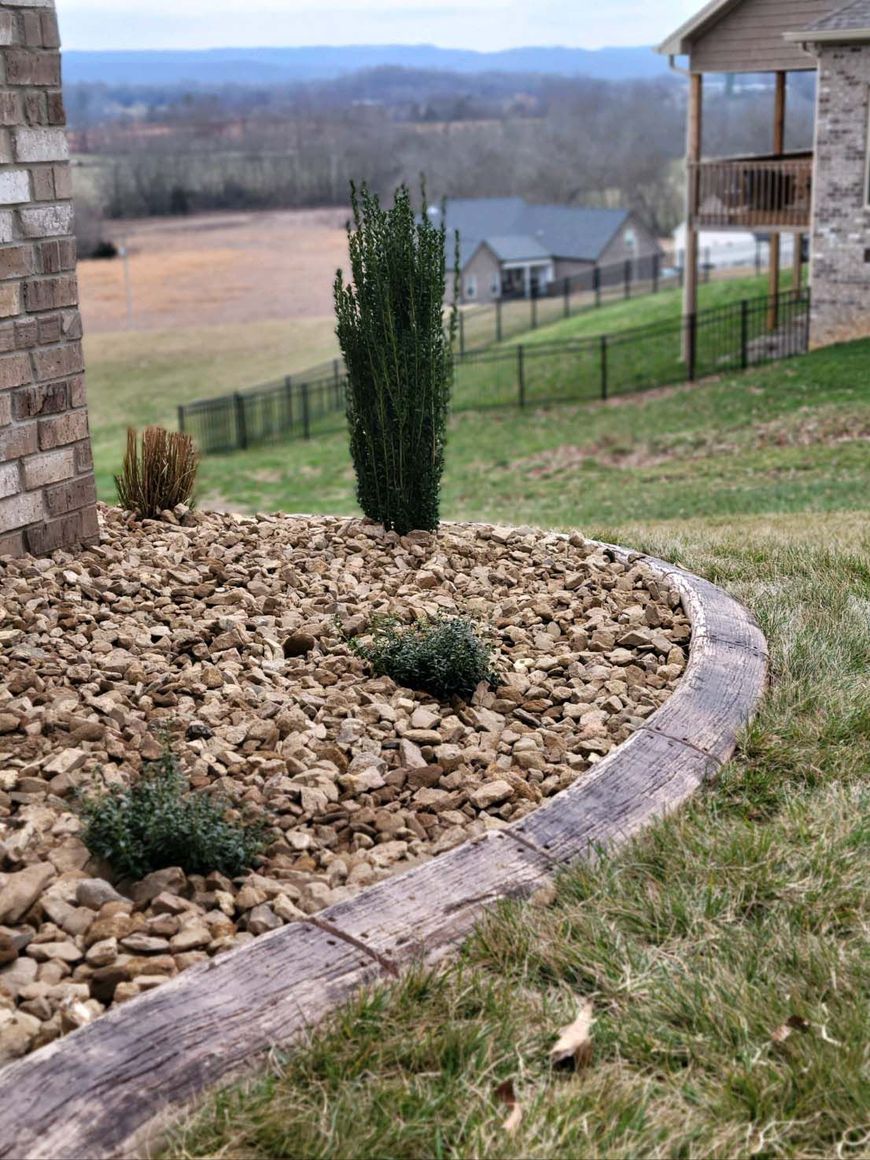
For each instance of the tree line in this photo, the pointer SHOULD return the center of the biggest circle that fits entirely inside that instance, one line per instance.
(549, 139)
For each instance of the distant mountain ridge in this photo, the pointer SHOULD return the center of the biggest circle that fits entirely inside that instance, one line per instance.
(262, 67)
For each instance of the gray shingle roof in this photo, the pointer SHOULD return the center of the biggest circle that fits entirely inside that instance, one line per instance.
(572, 232)
(516, 248)
(509, 226)
(851, 17)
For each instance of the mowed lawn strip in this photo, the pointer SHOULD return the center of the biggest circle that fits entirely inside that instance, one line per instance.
(141, 376)
(788, 437)
(724, 950)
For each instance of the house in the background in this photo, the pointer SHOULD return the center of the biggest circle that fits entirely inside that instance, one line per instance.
(824, 193)
(510, 249)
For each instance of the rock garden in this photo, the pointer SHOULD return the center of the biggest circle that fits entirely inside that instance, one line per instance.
(238, 645)
(212, 726)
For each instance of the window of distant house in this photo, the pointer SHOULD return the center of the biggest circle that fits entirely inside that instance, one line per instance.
(630, 239)
(495, 285)
(471, 286)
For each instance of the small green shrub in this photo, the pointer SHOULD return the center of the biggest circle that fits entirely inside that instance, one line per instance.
(399, 358)
(158, 822)
(445, 656)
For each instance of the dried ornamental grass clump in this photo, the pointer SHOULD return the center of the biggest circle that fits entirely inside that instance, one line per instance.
(158, 822)
(159, 474)
(445, 656)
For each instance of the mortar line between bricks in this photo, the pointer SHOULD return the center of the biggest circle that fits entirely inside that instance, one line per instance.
(336, 931)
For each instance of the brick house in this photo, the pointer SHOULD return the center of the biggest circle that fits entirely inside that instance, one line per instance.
(824, 193)
(47, 496)
(510, 249)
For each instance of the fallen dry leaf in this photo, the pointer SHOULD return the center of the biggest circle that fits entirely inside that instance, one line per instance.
(793, 1023)
(574, 1047)
(506, 1094)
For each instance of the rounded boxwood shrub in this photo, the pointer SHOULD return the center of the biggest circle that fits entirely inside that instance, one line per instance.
(158, 822)
(446, 656)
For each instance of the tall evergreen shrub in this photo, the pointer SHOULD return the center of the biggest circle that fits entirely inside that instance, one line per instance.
(399, 358)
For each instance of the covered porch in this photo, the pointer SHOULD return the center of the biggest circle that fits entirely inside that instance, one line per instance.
(529, 279)
(770, 192)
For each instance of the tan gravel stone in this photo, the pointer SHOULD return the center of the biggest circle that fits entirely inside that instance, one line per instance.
(222, 628)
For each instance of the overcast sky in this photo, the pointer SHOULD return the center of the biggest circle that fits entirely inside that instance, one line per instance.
(480, 24)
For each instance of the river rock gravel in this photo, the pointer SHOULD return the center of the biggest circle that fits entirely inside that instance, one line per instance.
(229, 632)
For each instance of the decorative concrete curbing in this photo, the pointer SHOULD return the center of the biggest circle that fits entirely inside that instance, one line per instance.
(100, 1090)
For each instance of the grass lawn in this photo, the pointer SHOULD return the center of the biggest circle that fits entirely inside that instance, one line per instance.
(139, 377)
(724, 950)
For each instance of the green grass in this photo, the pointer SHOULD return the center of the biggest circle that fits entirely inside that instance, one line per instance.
(140, 377)
(648, 310)
(733, 447)
(703, 937)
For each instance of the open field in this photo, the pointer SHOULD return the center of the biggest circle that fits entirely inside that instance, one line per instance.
(216, 269)
(724, 951)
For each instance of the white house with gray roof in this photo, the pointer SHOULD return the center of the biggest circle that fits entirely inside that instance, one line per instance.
(824, 192)
(511, 249)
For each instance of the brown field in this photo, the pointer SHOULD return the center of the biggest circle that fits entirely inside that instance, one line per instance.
(217, 269)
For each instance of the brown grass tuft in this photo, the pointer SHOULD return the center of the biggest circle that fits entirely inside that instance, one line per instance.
(159, 475)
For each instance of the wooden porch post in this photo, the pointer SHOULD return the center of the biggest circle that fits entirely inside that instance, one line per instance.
(693, 154)
(798, 262)
(776, 237)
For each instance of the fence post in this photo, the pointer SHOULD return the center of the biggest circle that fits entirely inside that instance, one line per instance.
(498, 330)
(656, 264)
(596, 284)
(181, 419)
(691, 347)
(681, 275)
(521, 374)
(744, 334)
(627, 276)
(306, 413)
(566, 298)
(605, 385)
(707, 264)
(534, 302)
(336, 377)
(241, 422)
(462, 334)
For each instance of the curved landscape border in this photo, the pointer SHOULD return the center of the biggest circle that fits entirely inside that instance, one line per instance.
(101, 1090)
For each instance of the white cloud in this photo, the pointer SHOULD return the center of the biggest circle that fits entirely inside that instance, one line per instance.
(481, 24)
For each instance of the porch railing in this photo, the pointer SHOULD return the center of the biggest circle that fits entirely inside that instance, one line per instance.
(753, 192)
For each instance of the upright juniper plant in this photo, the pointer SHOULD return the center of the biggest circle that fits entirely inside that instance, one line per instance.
(399, 358)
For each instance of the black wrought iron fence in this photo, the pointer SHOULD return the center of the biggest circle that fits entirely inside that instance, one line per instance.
(713, 341)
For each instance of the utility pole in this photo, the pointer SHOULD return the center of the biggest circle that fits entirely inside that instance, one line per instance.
(124, 252)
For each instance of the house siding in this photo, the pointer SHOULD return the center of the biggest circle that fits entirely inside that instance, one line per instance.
(841, 228)
(484, 266)
(750, 37)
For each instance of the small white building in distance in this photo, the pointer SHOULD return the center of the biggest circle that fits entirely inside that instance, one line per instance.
(730, 249)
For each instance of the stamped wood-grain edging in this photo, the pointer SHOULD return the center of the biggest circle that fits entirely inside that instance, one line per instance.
(94, 1093)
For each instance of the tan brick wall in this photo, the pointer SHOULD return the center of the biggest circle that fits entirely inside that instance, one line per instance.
(841, 228)
(47, 497)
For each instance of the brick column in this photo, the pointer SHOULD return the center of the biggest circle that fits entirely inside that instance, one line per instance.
(47, 497)
(840, 272)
